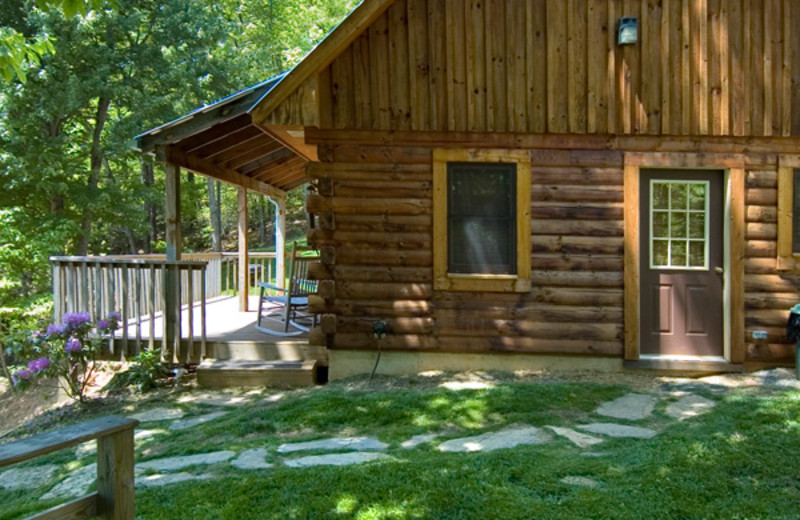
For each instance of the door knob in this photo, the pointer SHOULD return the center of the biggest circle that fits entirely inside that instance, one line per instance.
(719, 270)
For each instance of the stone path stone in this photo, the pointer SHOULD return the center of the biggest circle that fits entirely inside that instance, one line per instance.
(416, 440)
(75, 485)
(507, 438)
(632, 407)
(579, 439)
(685, 387)
(158, 414)
(466, 385)
(337, 443)
(180, 462)
(593, 454)
(273, 398)
(194, 421)
(17, 478)
(689, 406)
(580, 481)
(170, 478)
(778, 378)
(252, 459)
(619, 430)
(90, 448)
(337, 459)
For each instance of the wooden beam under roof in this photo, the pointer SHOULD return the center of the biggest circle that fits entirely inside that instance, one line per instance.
(227, 175)
(253, 154)
(213, 133)
(272, 170)
(266, 160)
(227, 142)
(239, 149)
(321, 56)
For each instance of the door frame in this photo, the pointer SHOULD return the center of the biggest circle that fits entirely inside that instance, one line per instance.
(732, 166)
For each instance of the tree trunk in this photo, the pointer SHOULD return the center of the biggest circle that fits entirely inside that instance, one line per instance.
(95, 166)
(216, 214)
(148, 179)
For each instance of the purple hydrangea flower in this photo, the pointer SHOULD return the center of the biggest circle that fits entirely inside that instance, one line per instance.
(22, 373)
(103, 325)
(37, 365)
(113, 320)
(76, 320)
(73, 345)
(56, 329)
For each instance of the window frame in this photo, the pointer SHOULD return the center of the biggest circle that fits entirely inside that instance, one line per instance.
(787, 259)
(479, 282)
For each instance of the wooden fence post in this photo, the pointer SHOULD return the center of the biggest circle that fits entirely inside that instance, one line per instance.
(115, 476)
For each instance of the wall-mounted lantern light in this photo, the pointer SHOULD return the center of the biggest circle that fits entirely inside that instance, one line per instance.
(627, 30)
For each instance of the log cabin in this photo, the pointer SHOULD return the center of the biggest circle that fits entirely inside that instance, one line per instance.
(515, 184)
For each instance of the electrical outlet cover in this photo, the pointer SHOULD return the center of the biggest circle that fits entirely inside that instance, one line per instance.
(759, 334)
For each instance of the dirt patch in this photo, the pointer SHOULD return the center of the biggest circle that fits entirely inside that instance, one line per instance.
(44, 400)
(17, 408)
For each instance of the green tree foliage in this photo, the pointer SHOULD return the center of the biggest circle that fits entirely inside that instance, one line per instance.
(102, 73)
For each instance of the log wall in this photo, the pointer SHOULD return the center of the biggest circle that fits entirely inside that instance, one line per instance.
(375, 231)
(701, 67)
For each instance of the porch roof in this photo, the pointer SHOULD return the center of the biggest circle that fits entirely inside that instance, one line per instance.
(221, 141)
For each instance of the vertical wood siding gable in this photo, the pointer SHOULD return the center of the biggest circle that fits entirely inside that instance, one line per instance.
(701, 67)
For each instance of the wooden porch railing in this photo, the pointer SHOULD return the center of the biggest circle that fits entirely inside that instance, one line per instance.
(143, 288)
(140, 291)
(114, 498)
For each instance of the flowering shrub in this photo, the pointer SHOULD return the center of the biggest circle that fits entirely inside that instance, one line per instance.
(66, 350)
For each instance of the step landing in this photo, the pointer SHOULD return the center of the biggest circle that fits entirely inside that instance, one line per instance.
(221, 373)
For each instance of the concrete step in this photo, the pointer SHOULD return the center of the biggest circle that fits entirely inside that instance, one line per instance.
(213, 373)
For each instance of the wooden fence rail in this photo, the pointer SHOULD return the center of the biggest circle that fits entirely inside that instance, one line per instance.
(114, 498)
(140, 290)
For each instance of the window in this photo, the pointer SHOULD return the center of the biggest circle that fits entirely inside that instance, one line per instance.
(482, 220)
(679, 224)
(788, 212)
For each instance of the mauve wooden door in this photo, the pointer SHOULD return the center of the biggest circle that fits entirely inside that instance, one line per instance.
(682, 261)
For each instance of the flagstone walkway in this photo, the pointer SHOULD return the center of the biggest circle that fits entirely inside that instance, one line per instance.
(677, 403)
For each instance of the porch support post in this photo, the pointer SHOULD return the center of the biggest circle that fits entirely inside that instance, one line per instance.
(244, 263)
(173, 211)
(280, 241)
(172, 276)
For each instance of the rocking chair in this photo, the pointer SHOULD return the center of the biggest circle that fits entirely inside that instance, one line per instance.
(289, 306)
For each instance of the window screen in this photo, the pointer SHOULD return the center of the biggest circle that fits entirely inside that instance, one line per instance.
(481, 218)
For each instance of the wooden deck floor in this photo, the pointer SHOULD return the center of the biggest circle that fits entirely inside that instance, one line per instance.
(224, 324)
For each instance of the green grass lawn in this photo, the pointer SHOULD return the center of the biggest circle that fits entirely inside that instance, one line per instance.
(741, 460)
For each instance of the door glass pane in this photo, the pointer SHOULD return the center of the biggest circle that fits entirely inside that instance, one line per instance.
(661, 252)
(678, 253)
(697, 225)
(678, 224)
(660, 195)
(697, 254)
(660, 224)
(677, 192)
(697, 196)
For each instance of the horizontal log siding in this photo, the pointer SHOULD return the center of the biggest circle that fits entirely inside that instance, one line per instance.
(701, 67)
(376, 224)
(769, 293)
